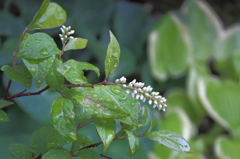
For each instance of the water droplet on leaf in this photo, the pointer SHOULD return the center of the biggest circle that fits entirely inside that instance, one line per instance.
(116, 55)
(44, 51)
(94, 95)
(32, 70)
(115, 90)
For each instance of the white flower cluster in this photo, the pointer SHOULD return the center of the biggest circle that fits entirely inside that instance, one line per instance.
(138, 91)
(66, 32)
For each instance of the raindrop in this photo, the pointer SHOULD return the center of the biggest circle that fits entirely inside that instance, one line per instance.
(31, 56)
(115, 90)
(52, 143)
(108, 100)
(94, 95)
(33, 70)
(72, 116)
(115, 65)
(116, 54)
(37, 41)
(98, 105)
(27, 45)
(115, 107)
(18, 151)
(87, 106)
(44, 51)
(132, 104)
(100, 99)
(95, 112)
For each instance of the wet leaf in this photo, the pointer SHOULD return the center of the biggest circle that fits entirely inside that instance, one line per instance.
(133, 143)
(170, 139)
(62, 116)
(50, 15)
(4, 103)
(76, 43)
(59, 153)
(143, 117)
(152, 124)
(18, 74)
(3, 116)
(73, 71)
(82, 141)
(81, 113)
(39, 69)
(38, 46)
(20, 151)
(112, 57)
(106, 129)
(88, 154)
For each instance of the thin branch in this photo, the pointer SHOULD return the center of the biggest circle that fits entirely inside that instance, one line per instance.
(82, 125)
(7, 89)
(105, 156)
(26, 94)
(90, 146)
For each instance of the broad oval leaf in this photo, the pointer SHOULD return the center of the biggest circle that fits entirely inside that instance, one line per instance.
(88, 154)
(3, 116)
(169, 47)
(38, 46)
(76, 43)
(62, 116)
(59, 153)
(39, 69)
(143, 117)
(50, 17)
(4, 103)
(106, 129)
(82, 141)
(72, 71)
(133, 142)
(18, 74)
(112, 57)
(81, 113)
(170, 139)
(20, 151)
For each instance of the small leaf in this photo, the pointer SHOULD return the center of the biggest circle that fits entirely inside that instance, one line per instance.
(133, 142)
(112, 57)
(59, 153)
(76, 43)
(54, 79)
(3, 116)
(88, 154)
(39, 69)
(38, 46)
(106, 129)
(20, 151)
(170, 139)
(72, 71)
(4, 103)
(18, 74)
(143, 117)
(47, 138)
(152, 124)
(49, 17)
(81, 141)
(62, 116)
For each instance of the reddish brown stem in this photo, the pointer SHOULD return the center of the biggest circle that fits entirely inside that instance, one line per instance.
(26, 94)
(82, 125)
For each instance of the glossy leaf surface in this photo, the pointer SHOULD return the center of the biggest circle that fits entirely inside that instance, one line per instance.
(81, 141)
(59, 153)
(20, 151)
(169, 47)
(73, 71)
(143, 117)
(3, 116)
(133, 142)
(38, 46)
(4, 103)
(39, 69)
(81, 113)
(49, 17)
(88, 154)
(169, 139)
(62, 116)
(76, 43)
(112, 57)
(18, 74)
(106, 129)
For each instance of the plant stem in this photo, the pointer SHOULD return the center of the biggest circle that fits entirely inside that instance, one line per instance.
(82, 125)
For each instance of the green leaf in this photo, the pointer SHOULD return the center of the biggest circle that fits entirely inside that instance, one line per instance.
(143, 117)
(4, 103)
(106, 129)
(226, 148)
(133, 142)
(3, 116)
(72, 71)
(221, 101)
(62, 116)
(88, 154)
(47, 138)
(204, 26)
(59, 153)
(39, 69)
(54, 79)
(152, 124)
(112, 57)
(38, 46)
(20, 151)
(167, 59)
(18, 74)
(81, 141)
(76, 43)
(50, 15)
(169, 139)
